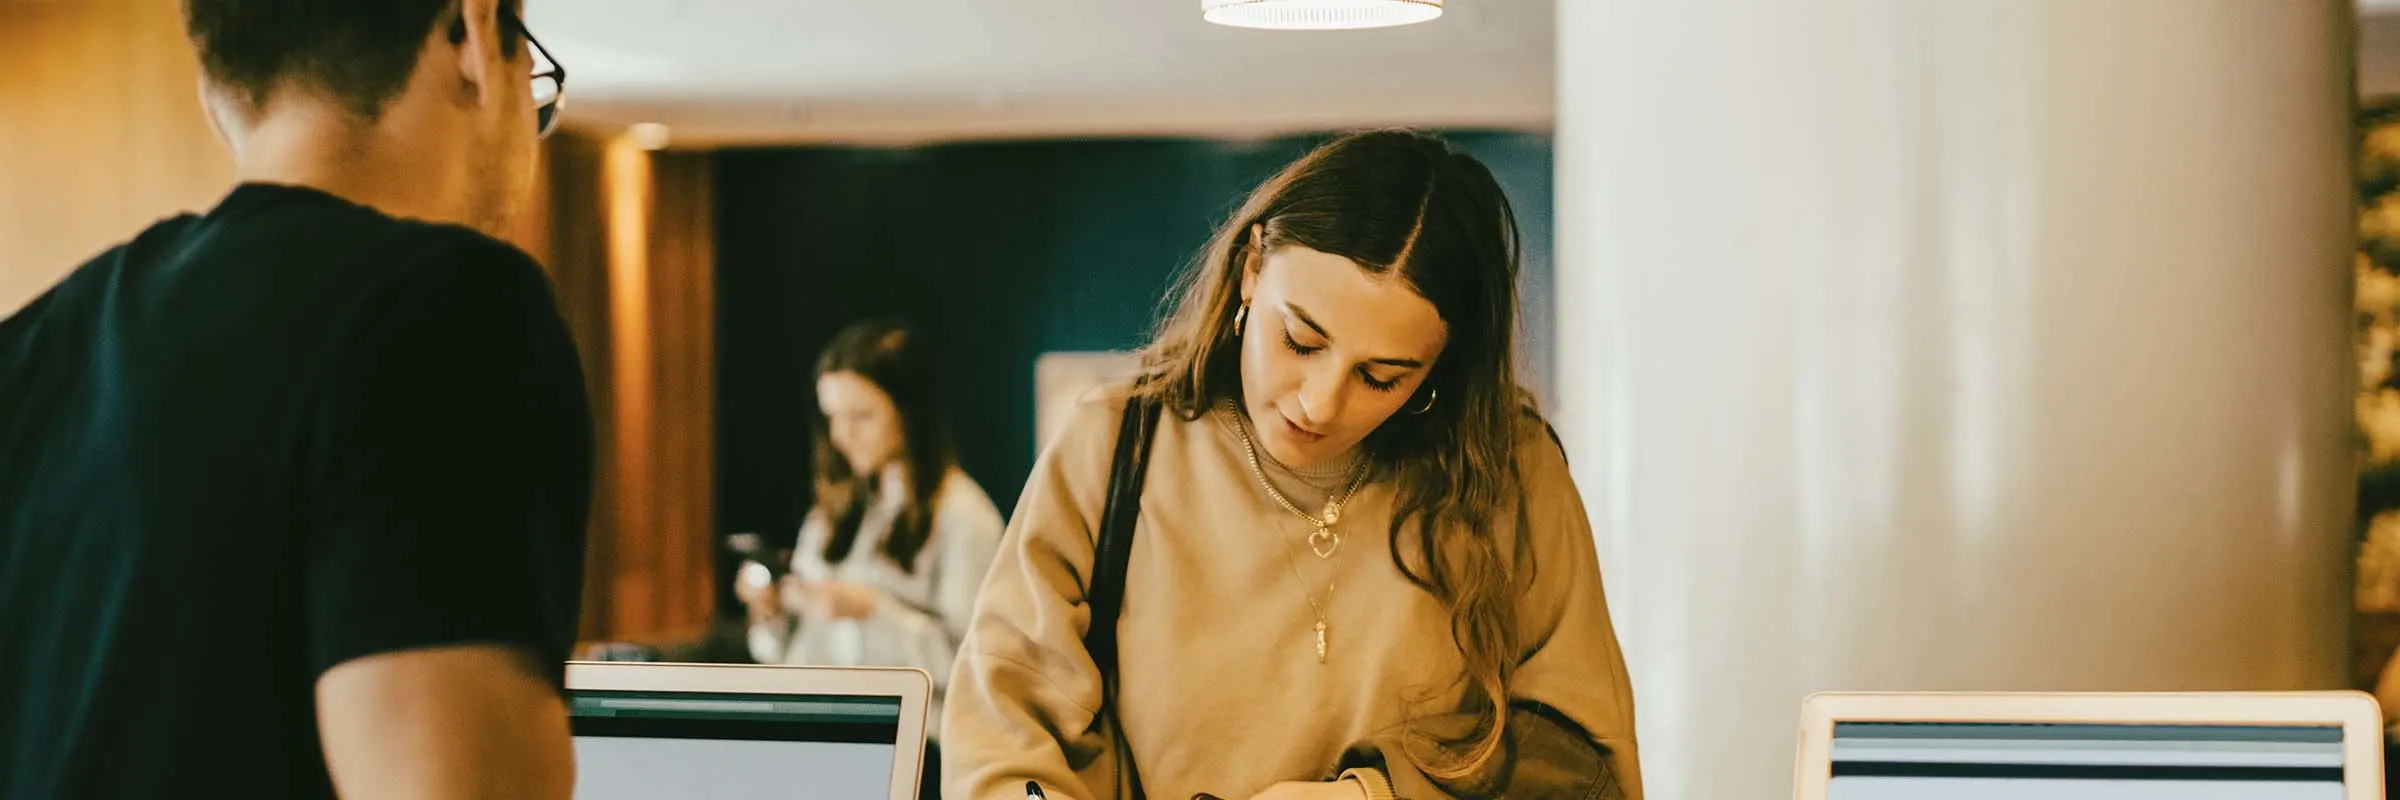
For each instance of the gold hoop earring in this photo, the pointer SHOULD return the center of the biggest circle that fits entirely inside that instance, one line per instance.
(1430, 396)
(1239, 318)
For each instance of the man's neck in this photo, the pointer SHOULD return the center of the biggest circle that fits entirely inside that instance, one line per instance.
(319, 148)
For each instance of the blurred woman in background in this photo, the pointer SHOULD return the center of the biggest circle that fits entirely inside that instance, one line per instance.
(891, 555)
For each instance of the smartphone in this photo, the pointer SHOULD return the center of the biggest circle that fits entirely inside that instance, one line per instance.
(760, 566)
(756, 576)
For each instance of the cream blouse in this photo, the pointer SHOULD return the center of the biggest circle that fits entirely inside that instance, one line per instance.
(921, 614)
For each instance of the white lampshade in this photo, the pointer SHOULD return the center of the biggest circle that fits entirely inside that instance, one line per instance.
(1318, 15)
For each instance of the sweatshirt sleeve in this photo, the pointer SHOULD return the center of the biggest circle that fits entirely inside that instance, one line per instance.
(1024, 695)
(1570, 701)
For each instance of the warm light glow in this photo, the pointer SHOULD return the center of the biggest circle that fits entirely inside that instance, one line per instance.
(1318, 15)
(628, 195)
(649, 135)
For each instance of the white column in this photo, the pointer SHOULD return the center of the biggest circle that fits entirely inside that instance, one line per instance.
(1953, 344)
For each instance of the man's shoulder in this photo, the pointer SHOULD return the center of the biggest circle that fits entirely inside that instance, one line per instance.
(273, 253)
(396, 282)
(61, 310)
(106, 268)
(444, 257)
(307, 225)
(308, 246)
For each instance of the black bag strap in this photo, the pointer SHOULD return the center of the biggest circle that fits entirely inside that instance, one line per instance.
(1111, 553)
(1115, 544)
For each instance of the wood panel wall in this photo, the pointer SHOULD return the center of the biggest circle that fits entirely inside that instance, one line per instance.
(633, 243)
(101, 133)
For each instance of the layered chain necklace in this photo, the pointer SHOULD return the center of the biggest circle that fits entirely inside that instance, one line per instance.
(1323, 540)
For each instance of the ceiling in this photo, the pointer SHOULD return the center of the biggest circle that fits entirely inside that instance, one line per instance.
(731, 72)
(734, 71)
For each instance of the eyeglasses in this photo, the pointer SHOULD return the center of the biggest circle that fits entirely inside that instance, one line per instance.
(549, 80)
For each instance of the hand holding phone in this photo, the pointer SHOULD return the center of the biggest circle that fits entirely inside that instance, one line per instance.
(830, 599)
(755, 584)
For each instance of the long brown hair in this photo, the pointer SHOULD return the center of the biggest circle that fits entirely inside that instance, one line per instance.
(888, 354)
(1400, 203)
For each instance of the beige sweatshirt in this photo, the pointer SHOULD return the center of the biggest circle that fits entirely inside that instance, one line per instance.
(1220, 689)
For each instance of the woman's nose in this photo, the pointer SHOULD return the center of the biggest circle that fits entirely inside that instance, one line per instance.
(1320, 399)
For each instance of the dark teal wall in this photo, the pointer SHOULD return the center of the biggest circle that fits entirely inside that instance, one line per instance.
(1001, 252)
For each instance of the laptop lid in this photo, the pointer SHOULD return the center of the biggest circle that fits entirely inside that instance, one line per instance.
(649, 730)
(2162, 746)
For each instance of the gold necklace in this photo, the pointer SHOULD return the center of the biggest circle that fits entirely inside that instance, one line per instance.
(1316, 541)
(1324, 541)
(1324, 630)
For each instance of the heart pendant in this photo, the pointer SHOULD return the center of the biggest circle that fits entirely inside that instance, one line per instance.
(1324, 542)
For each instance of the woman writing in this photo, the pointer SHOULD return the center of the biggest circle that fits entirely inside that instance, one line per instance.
(890, 558)
(1361, 568)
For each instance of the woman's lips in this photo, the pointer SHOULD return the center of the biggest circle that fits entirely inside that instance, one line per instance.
(1303, 435)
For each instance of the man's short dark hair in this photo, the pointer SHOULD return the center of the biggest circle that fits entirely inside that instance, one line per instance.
(359, 52)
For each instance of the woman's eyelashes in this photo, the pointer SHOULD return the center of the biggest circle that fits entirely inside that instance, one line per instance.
(1297, 348)
(1368, 378)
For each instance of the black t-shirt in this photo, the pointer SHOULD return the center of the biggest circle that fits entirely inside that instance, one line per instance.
(249, 446)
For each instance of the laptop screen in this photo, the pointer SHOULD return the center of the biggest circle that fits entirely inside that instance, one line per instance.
(1974, 761)
(647, 745)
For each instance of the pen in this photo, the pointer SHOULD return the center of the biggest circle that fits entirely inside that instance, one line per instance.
(1033, 791)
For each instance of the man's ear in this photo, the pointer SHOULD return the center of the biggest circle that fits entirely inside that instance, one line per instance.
(471, 44)
(212, 106)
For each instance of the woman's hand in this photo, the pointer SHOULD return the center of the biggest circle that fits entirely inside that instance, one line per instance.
(1332, 790)
(835, 599)
(759, 598)
(792, 595)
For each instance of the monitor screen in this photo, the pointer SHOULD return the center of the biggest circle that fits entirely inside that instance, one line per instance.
(1978, 761)
(648, 745)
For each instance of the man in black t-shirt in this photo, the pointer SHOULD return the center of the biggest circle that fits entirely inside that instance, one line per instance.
(293, 493)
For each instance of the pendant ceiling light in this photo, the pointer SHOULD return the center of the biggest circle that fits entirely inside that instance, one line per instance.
(1318, 15)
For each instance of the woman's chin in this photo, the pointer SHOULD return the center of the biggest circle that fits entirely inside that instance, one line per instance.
(1300, 455)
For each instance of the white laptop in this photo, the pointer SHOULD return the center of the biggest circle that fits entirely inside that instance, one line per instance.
(2169, 746)
(645, 731)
